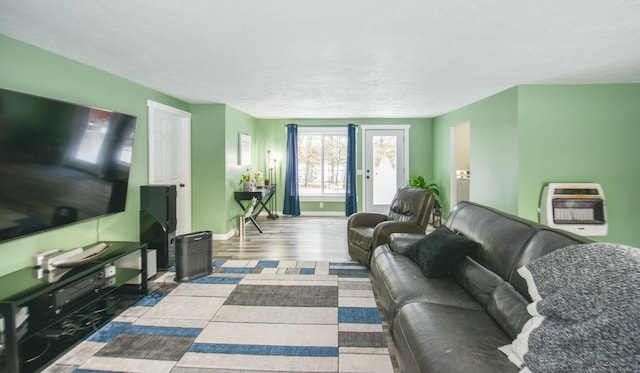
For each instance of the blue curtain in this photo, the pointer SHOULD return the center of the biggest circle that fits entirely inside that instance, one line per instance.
(351, 203)
(291, 197)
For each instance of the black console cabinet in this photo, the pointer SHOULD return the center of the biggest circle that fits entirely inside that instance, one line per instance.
(64, 306)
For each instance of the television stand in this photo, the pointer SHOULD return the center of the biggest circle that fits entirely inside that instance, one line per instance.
(44, 314)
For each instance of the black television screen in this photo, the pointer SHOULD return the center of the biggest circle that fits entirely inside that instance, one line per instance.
(60, 163)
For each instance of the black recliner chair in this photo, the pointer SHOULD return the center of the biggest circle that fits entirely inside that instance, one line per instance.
(408, 213)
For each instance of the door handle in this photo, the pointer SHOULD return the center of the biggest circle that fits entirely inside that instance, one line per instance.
(182, 185)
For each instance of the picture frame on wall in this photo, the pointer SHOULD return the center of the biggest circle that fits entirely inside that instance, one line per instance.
(244, 149)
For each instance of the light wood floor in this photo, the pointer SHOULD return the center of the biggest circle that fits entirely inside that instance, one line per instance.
(289, 238)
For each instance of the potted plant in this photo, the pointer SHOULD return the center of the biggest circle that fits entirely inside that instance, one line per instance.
(434, 190)
(246, 180)
(419, 182)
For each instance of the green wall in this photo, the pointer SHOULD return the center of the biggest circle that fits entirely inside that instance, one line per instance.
(527, 136)
(208, 167)
(236, 123)
(28, 69)
(586, 133)
(493, 151)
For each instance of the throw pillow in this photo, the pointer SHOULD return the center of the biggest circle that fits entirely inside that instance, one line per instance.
(438, 252)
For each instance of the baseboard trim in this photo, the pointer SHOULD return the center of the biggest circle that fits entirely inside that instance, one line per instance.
(223, 237)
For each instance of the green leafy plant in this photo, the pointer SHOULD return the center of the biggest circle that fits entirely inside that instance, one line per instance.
(417, 182)
(246, 176)
(420, 182)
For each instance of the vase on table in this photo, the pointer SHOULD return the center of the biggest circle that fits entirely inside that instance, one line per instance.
(240, 227)
(248, 186)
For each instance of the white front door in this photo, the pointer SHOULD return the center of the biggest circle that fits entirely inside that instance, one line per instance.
(385, 162)
(170, 156)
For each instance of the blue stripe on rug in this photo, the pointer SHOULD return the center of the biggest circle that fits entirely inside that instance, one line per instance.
(108, 331)
(151, 299)
(162, 330)
(241, 270)
(307, 271)
(216, 280)
(349, 272)
(268, 264)
(218, 263)
(111, 330)
(358, 315)
(346, 264)
(222, 348)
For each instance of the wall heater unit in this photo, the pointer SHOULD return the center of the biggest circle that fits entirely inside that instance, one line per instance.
(575, 207)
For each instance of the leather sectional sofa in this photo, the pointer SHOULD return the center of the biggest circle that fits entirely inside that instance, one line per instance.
(456, 323)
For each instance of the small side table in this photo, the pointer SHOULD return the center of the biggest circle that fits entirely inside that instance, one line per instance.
(263, 195)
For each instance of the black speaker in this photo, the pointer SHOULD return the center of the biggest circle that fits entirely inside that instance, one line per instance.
(158, 222)
(194, 254)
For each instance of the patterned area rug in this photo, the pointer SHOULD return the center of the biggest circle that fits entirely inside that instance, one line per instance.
(248, 316)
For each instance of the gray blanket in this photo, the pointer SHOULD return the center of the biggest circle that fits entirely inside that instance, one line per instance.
(586, 311)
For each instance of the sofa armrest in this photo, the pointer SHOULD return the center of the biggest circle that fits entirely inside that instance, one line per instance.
(365, 219)
(383, 230)
(400, 242)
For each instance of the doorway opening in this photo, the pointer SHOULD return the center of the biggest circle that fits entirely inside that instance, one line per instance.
(460, 163)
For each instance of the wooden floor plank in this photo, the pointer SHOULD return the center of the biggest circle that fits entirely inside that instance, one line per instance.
(289, 238)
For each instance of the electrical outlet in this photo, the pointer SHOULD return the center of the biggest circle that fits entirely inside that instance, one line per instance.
(321, 205)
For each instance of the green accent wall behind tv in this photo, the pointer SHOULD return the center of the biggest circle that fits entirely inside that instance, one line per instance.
(25, 68)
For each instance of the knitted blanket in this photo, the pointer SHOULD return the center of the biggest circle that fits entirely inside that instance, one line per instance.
(585, 311)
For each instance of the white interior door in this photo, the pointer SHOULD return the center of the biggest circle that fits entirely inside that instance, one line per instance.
(170, 156)
(385, 163)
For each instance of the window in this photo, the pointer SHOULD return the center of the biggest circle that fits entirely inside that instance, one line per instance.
(322, 161)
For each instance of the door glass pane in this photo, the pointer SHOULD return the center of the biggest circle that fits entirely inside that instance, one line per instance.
(385, 181)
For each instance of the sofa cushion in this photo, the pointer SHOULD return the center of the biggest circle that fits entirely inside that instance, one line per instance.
(438, 338)
(397, 280)
(500, 300)
(400, 242)
(502, 237)
(438, 252)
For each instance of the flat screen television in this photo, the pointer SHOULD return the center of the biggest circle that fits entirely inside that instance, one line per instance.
(60, 163)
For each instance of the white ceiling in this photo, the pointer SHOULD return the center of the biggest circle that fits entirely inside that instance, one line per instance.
(338, 58)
